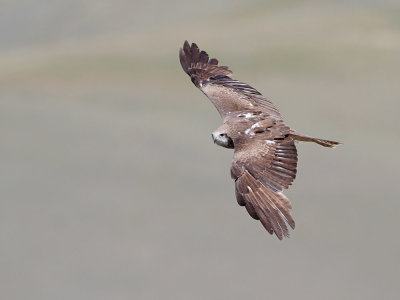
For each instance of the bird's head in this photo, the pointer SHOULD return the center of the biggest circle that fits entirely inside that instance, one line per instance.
(222, 139)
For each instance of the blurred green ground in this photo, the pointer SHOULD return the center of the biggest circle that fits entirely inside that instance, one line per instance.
(111, 187)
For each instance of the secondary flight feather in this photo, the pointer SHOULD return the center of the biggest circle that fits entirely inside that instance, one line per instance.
(265, 156)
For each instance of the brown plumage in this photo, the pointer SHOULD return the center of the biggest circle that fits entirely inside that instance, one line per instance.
(265, 157)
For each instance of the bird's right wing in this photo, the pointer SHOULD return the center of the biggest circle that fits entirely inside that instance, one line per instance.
(261, 169)
(227, 94)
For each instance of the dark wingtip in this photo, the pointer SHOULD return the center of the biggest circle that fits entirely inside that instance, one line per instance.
(197, 64)
(186, 45)
(185, 56)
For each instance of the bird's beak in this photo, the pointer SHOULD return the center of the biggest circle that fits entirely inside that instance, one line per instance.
(213, 137)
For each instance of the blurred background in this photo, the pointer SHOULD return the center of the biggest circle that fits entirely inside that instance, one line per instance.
(111, 187)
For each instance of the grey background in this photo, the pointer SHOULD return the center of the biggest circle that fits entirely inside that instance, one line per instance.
(111, 187)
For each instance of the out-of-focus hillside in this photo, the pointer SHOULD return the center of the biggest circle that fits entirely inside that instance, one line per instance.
(112, 188)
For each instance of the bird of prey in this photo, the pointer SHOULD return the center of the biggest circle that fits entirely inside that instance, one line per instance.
(265, 156)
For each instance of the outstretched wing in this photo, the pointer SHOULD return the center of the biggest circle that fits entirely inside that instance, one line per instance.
(227, 94)
(261, 170)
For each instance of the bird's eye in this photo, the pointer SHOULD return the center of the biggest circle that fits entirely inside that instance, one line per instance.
(221, 134)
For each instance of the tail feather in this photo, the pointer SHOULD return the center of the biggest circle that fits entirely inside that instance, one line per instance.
(325, 143)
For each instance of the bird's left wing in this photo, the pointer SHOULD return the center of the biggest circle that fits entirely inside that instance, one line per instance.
(227, 95)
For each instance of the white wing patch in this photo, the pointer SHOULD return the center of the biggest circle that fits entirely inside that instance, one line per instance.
(247, 131)
(246, 115)
(250, 131)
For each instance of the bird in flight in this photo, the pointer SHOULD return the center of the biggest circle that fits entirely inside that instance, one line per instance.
(265, 156)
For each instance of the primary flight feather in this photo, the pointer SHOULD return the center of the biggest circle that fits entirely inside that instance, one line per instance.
(265, 157)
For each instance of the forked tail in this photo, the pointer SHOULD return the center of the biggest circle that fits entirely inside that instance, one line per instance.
(304, 138)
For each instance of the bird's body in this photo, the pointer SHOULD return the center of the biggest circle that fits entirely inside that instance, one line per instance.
(265, 158)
